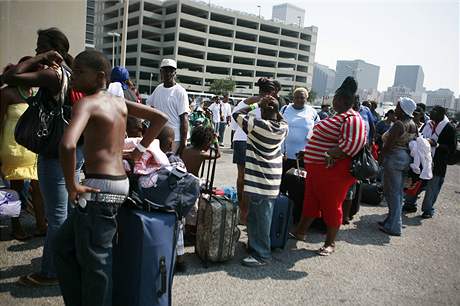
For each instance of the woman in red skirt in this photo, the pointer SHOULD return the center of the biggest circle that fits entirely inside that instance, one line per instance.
(327, 159)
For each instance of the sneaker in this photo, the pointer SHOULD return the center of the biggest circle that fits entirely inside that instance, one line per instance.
(252, 262)
(427, 215)
(221, 144)
(409, 208)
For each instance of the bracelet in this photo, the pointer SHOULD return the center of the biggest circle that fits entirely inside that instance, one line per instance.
(140, 147)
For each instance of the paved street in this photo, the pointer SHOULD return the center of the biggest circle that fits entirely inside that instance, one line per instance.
(369, 268)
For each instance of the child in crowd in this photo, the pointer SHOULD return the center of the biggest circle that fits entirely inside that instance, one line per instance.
(263, 169)
(200, 149)
(166, 138)
(83, 245)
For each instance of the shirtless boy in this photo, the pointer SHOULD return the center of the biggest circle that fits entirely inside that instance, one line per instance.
(84, 242)
(199, 150)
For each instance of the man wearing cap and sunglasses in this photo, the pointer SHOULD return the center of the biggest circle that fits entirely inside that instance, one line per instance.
(171, 98)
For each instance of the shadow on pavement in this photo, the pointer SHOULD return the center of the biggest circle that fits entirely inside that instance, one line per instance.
(364, 232)
(18, 291)
(28, 245)
(20, 270)
(279, 269)
(414, 220)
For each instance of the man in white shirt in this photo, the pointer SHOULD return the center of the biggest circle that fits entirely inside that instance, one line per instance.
(227, 116)
(171, 98)
(216, 110)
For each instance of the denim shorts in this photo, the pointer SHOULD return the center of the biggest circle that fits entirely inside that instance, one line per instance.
(239, 152)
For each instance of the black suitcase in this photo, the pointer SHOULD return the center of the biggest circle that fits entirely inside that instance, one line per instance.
(371, 194)
(355, 203)
(295, 185)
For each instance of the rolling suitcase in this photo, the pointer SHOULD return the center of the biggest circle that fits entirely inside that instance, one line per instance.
(143, 257)
(295, 185)
(371, 194)
(281, 221)
(217, 231)
(355, 203)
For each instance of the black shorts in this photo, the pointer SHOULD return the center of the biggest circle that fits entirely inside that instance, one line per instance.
(239, 152)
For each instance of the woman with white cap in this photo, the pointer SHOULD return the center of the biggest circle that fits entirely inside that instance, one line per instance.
(396, 162)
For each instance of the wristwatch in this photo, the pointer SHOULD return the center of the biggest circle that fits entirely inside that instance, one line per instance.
(140, 147)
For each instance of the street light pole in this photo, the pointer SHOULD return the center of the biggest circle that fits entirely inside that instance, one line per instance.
(124, 33)
(300, 20)
(150, 83)
(117, 35)
(259, 10)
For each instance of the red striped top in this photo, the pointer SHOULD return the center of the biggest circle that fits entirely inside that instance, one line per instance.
(347, 130)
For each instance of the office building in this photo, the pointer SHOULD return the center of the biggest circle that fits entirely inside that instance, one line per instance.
(323, 80)
(20, 20)
(289, 14)
(367, 75)
(209, 42)
(442, 96)
(394, 93)
(410, 76)
(90, 23)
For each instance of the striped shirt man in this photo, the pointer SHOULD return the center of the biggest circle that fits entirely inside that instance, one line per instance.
(264, 161)
(346, 130)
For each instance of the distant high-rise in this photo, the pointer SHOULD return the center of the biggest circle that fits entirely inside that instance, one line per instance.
(289, 14)
(367, 75)
(442, 96)
(410, 76)
(323, 80)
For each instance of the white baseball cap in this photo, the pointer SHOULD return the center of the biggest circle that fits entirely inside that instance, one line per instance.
(167, 62)
(408, 106)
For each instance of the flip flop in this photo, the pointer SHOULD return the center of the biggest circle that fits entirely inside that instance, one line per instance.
(36, 280)
(325, 251)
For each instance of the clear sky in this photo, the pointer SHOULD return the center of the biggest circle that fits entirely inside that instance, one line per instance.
(382, 32)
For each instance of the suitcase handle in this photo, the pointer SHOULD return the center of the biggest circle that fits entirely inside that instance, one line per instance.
(162, 276)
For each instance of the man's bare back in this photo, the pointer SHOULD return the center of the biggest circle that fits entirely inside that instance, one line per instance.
(104, 133)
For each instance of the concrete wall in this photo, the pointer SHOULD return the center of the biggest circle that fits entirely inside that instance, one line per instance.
(20, 20)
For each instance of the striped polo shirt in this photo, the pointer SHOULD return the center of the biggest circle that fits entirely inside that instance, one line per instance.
(264, 161)
(346, 130)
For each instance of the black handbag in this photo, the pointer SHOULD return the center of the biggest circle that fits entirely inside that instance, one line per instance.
(363, 165)
(41, 126)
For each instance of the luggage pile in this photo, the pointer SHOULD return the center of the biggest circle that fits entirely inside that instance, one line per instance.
(144, 250)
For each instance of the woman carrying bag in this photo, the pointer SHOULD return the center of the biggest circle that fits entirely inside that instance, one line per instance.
(52, 61)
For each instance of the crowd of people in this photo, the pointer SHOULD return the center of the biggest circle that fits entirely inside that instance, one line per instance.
(269, 137)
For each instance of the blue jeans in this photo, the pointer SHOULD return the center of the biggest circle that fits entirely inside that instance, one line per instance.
(56, 200)
(432, 190)
(83, 255)
(258, 225)
(395, 166)
(222, 126)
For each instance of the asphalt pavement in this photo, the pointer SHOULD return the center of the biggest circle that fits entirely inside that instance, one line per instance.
(422, 267)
